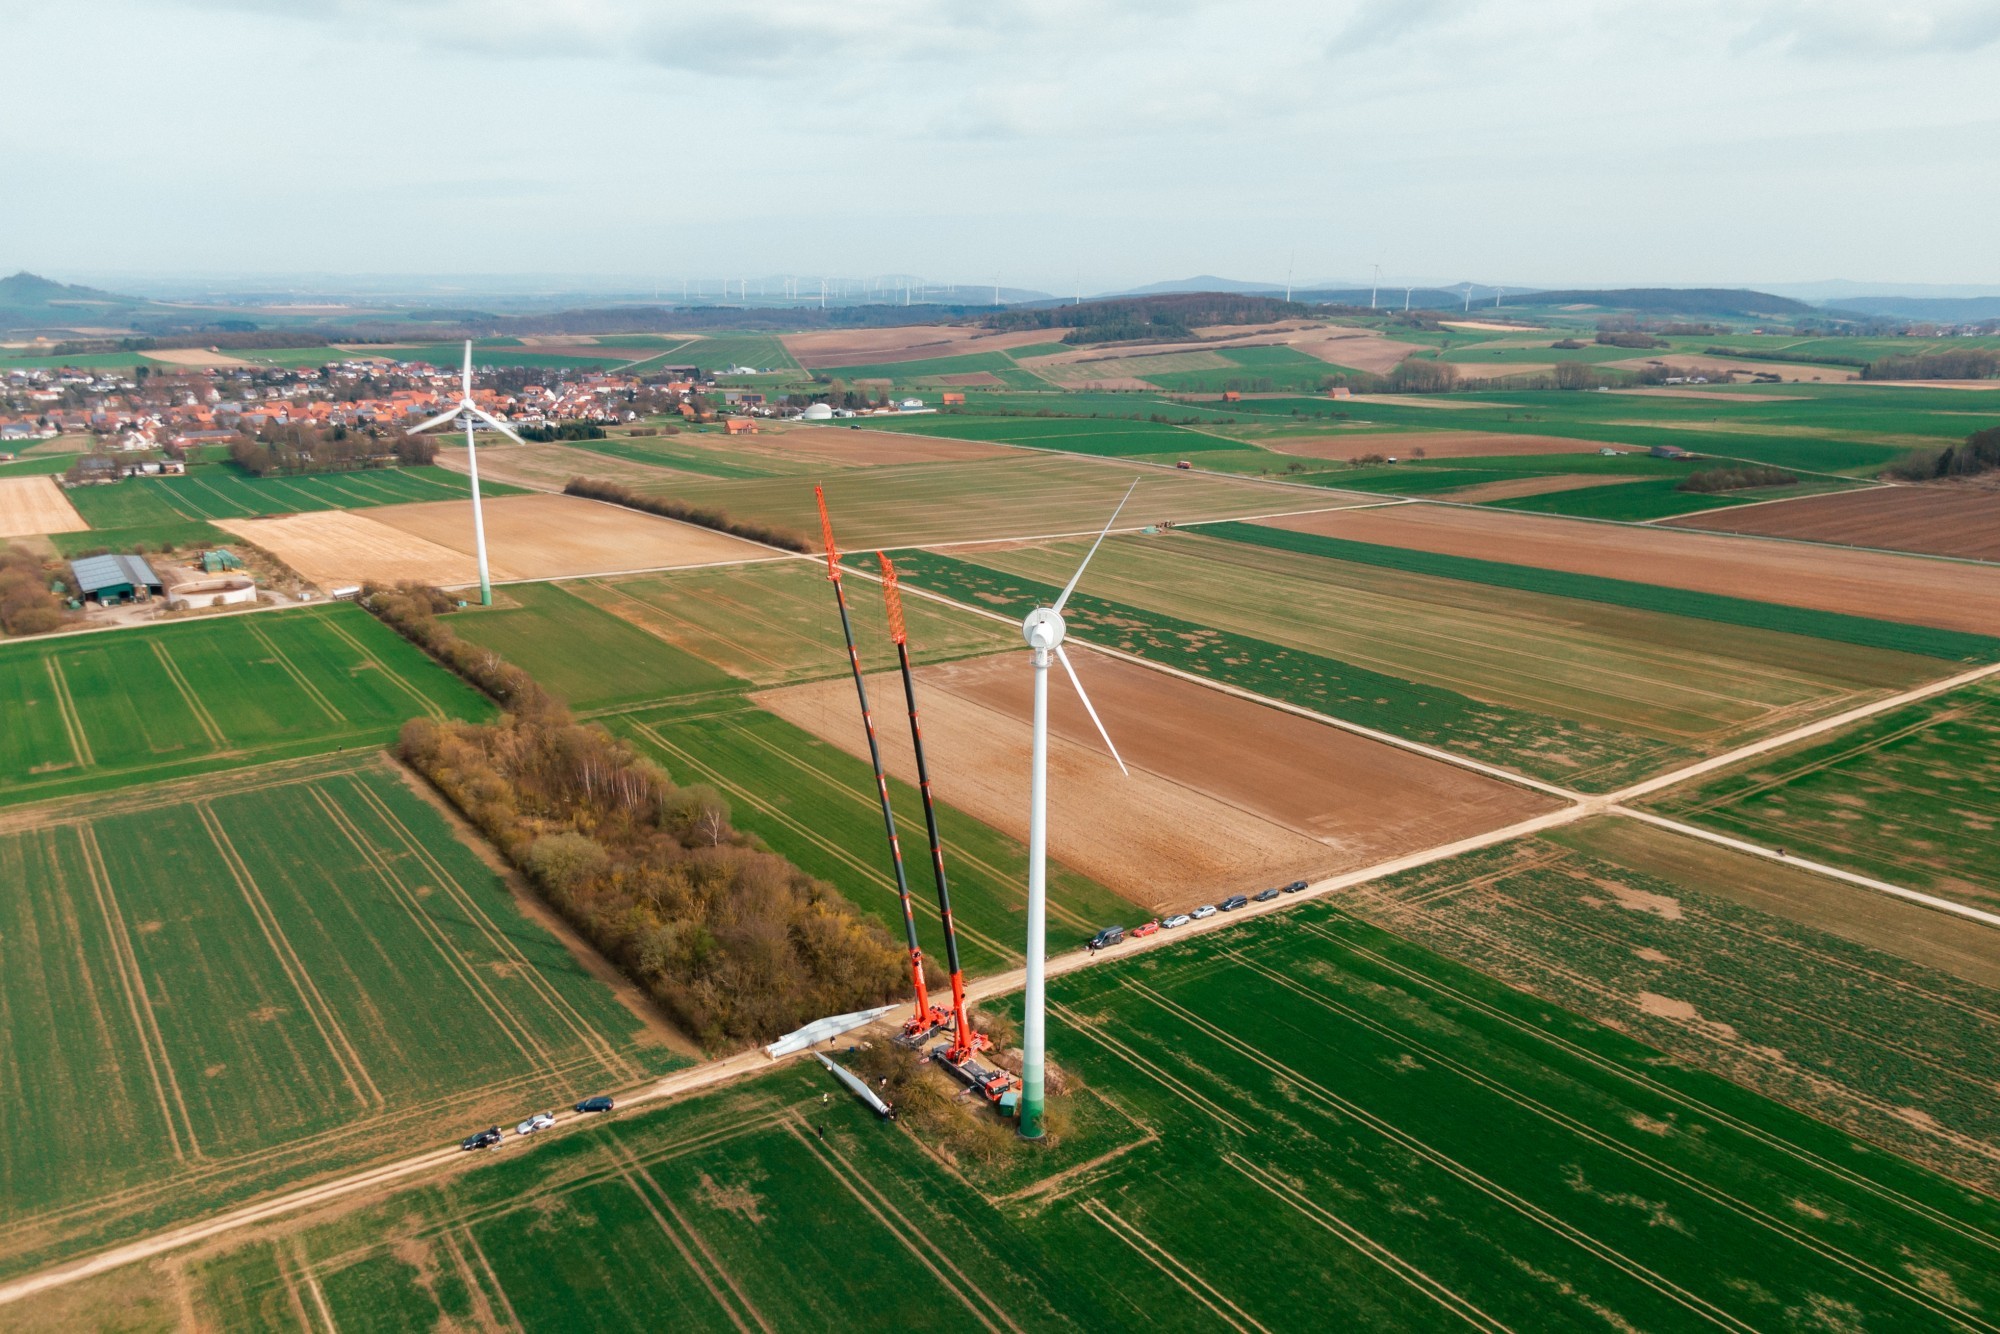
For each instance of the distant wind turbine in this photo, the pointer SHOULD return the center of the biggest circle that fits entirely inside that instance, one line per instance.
(469, 412)
(1376, 288)
(1043, 628)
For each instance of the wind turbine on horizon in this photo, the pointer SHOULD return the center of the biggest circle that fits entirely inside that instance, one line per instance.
(467, 411)
(1044, 628)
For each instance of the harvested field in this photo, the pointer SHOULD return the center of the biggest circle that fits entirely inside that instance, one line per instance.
(336, 547)
(1790, 370)
(1225, 794)
(32, 506)
(1884, 587)
(194, 356)
(919, 342)
(527, 537)
(1514, 488)
(1491, 326)
(1931, 520)
(850, 448)
(1434, 444)
(1471, 372)
(1797, 987)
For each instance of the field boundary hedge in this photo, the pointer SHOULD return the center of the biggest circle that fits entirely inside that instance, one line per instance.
(1840, 627)
(669, 508)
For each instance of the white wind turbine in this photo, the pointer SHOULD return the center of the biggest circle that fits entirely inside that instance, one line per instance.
(1043, 628)
(468, 411)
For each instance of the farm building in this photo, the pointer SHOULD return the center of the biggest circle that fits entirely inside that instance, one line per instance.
(739, 426)
(115, 578)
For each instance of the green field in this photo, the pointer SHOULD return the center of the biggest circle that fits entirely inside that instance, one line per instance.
(1906, 796)
(1259, 369)
(776, 623)
(150, 537)
(1694, 688)
(1638, 502)
(1857, 1009)
(933, 370)
(1107, 437)
(586, 656)
(708, 456)
(817, 805)
(107, 710)
(712, 352)
(1304, 1123)
(908, 503)
(1861, 631)
(221, 987)
(225, 493)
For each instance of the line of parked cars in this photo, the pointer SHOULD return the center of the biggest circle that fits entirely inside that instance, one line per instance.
(1112, 935)
(491, 1137)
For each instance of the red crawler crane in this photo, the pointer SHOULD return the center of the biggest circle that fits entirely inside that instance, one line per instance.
(965, 1038)
(927, 1018)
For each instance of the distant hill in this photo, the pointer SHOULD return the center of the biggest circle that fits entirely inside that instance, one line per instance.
(1941, 309)
(1163, 316)
(1736, 301)
(30, 301)
(1204, 283)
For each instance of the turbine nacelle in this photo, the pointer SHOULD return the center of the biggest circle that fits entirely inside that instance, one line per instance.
(1044, 628)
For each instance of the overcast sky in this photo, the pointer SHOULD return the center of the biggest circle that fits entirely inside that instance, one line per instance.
(1526, 141)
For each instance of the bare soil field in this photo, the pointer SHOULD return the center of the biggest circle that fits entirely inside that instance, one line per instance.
(1435, 444)
(549, 466)
(1516, 487)
(1932, 520)
(335, 547)
(32, 506)
(1790, 370)
(1474, 371)
(1225, 795)
(920, 342)
(194, 356)
(1860, 583)
(866, 449)
(549, 537)
(1490, 326)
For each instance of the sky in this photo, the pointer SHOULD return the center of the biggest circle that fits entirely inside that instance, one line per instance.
(1039, 143)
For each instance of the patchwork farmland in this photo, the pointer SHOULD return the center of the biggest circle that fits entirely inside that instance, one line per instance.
(1401, 1138)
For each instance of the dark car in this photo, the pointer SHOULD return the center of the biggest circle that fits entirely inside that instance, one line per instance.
(597, 1104)
(485, 1139)
(1265, 895)
(1295, 886)
(1233, 902)
(1110, 935)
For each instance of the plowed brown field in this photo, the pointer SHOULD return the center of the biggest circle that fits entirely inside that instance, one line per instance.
(31, 506)
(1860, 583)
(1933, 520)
(1224, 795)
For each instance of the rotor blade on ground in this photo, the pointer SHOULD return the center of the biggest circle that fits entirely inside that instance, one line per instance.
(493, 421)
(1087, 708)
(443, 418)
(1071, 587)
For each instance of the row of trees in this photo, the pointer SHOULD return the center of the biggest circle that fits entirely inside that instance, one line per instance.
(300, 448)
(28, 604)
(1972, 363)
(1736, 477)
(1977, 453)
(733, 941)
(667, 507)
(1170, 315)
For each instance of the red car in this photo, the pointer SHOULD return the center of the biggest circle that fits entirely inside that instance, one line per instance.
(1145, 930)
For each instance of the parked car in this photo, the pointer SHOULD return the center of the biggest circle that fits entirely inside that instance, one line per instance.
(1110, 935)
(598, 1104)
(485, 1139)
(1205, 910)
(539, 1121)
(1178, 919)
(1295, 886)
(1233, 902)
(1265, 895)
(1146, 928)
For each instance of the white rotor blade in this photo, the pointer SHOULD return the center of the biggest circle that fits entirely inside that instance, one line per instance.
(493, 421)
(441, 419)
(1064, 657)
(1086, 561)
(468, 370)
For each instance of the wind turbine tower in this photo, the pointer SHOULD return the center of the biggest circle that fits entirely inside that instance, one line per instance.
(469, 412)
(1043, 628)
(1374, 291)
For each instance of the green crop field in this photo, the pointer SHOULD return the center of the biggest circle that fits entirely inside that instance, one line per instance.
(1861, 631)
(817, 805)
(1303, 1123)
(1907, 796)
(1886, 1014)
(219, 987)
(910, 503)
(1108, 437)
(775, 623)
(1639, 501)
(98, 711)
(1693, 687)
(997, 364)
(222, 492)
(713, 352)
(1262, 369)
(706, 455)
(586, 656)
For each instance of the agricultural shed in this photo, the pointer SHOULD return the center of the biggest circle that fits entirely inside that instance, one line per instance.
(115, 578)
